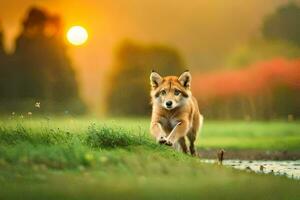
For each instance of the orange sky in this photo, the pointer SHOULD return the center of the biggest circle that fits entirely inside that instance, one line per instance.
(202, 30)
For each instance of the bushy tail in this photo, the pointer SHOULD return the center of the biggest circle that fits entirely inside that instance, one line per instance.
(201, 123)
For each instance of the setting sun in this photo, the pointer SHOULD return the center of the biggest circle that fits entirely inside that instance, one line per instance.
(77, 35)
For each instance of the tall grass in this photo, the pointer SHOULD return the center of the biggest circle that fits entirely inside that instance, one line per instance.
(58, 148)
(106, 137)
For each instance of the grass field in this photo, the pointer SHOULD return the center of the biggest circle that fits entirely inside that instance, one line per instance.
(116, 159)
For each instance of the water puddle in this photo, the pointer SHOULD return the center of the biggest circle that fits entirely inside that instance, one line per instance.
(290, 169)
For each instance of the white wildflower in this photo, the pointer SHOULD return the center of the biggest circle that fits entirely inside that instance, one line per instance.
(37, 104)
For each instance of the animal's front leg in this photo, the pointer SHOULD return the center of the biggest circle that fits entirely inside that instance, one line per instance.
(158, 132)
(178, 131)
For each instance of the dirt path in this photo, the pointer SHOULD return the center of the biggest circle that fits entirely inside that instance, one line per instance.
(250, 154)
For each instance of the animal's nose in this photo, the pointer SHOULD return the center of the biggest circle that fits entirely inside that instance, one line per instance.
(169, 103)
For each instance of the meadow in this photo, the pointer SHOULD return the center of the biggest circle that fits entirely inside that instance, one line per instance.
(84, 158)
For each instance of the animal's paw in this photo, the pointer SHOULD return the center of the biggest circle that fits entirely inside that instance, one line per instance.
(169, 143)
(162, 140)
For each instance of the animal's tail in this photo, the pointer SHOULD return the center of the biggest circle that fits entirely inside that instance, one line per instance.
(201, 122)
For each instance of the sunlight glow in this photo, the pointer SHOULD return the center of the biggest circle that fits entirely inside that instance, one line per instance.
(77, 35)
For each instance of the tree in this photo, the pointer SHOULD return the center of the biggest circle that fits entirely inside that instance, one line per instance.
(3, 68)
(284, 24)
(128, 91)
(40, 67)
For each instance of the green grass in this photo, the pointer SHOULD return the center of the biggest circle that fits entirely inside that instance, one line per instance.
(251, 135)
(274, 135)
(116, 159)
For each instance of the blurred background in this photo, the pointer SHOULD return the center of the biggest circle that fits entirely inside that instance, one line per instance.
(244, 56)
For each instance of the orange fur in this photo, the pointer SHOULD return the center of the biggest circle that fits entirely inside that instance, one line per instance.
(175, 113)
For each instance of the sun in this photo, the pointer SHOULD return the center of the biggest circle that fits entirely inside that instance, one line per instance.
(77, 35)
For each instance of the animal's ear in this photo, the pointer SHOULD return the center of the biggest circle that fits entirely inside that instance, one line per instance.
(185, 79)
(155, 79)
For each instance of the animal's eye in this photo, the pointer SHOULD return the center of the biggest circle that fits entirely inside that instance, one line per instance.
(177, 92)
(163, 92)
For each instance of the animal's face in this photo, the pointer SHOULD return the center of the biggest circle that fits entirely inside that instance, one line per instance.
(171, 91)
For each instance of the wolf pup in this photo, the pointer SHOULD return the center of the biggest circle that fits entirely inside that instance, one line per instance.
(175, 113)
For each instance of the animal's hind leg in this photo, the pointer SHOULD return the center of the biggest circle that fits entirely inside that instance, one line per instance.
(197, 124)
(192, 137)
(183, 146)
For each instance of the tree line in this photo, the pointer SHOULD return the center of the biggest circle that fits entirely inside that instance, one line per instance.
(128, 92)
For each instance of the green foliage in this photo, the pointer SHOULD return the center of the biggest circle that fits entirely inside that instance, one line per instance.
(284, 24)
(260, 50)
(128, 85)
(281, 39)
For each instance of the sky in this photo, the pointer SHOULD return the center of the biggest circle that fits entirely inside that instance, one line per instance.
(203, 31)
